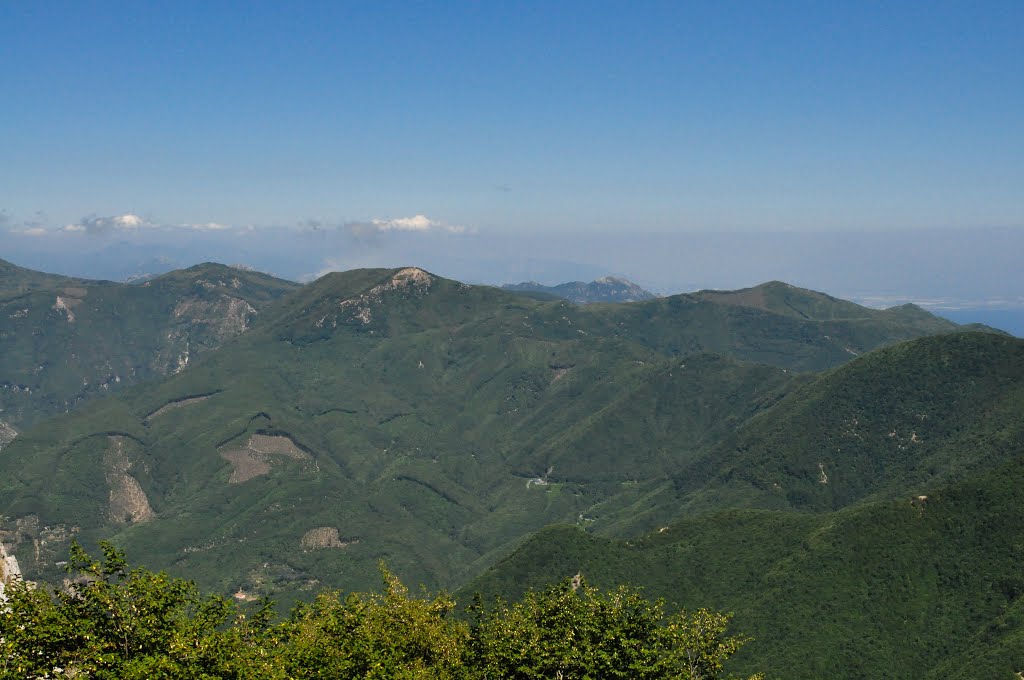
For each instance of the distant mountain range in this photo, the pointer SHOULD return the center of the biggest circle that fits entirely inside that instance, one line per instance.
(845, 479)
(606, 289)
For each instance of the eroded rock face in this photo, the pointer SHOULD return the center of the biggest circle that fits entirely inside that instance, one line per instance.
(40, 545)
(410, 280)
(9, 569)
(7, 434)
(324, 537)
(226, 316)
(65, 303)
(128, 502)
(202, 324)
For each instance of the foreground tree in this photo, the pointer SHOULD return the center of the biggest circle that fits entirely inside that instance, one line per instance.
(573, 630)
(109, 622)
(380, 636)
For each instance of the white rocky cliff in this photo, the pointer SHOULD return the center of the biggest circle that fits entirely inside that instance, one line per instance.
(9, 569)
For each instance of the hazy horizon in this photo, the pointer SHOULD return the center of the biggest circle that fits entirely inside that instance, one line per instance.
(874, 153)
(875, 268)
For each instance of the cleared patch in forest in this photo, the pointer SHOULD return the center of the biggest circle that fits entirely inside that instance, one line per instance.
(324, 537)
(255, 458)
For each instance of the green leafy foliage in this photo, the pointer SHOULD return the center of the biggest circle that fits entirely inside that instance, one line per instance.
(574, 630)
(387, 635)
(109, 622)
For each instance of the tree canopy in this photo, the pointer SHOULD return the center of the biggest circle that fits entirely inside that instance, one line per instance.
(109, 621)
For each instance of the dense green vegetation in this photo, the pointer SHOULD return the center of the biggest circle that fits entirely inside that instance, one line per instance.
(66, 341)
(419, 420)
(111, 622)
(15, 280)
(908, 588)
(772, 451)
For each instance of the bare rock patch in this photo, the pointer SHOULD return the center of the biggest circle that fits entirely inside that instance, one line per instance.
(64, 305)
(128, 503)
(411, 281)
(324, 537)
(228, 316)
(7, 434)
(256, 457)
(9, 569)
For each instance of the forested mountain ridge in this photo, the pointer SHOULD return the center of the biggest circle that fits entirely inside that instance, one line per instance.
(887, 533)
(605, 289)
(66, 341)
(395, 415)
(15, 280)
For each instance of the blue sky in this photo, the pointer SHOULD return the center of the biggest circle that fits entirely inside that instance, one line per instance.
(592, 119)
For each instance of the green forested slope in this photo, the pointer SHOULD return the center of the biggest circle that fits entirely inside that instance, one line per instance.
(64, 341)
(15, 280)
(889, 422)
(910, 566)
(905, 588)
(393, 414)
(398, 416)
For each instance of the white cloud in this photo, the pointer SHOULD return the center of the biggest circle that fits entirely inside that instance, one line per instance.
(102, 225)
(129, 221)
(416, 223)
(33, 231)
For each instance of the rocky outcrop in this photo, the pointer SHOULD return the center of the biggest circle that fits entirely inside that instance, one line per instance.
(128, 502)
(9, 569)
(226, 316)
(202, 323)
(410, 280)
(7, 434)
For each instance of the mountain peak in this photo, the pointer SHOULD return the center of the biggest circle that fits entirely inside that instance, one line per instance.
(604, 289)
